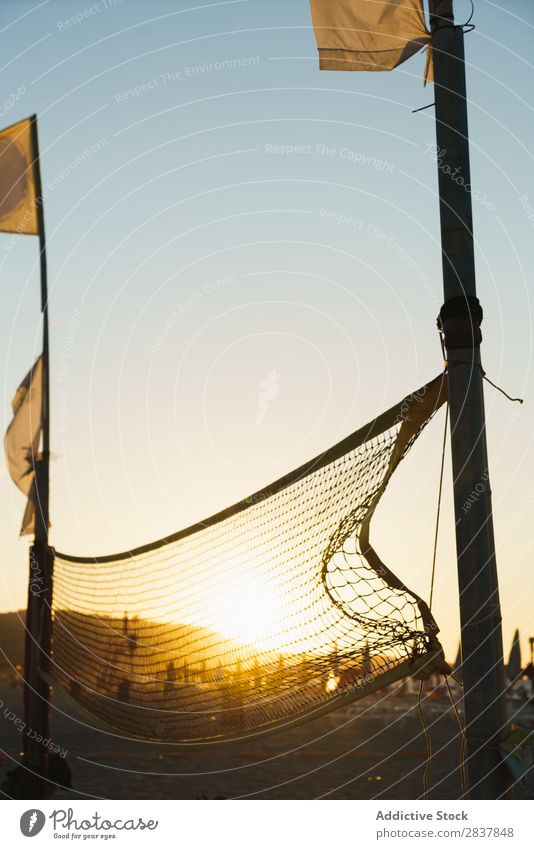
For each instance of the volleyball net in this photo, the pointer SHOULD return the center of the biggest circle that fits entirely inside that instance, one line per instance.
(266, 614)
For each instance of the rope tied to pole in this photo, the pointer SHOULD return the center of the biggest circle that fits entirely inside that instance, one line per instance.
(459, 322)
(485, 377)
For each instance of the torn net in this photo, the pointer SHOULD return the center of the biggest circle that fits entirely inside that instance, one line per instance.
(271, 612)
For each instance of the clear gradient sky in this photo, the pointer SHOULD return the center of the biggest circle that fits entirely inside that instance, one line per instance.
(218, 210)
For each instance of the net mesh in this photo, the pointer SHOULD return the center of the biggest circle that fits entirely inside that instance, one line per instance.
(263, 615)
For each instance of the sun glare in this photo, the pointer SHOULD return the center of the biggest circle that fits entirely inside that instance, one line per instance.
(248, 611)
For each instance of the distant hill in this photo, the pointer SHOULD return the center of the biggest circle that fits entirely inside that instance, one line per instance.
(12, 637)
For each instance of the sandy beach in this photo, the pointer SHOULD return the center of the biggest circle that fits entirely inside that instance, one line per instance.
(373, 749)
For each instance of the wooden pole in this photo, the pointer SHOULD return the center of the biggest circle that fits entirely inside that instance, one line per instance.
(42, 510)
(39, 615)
(460, 318)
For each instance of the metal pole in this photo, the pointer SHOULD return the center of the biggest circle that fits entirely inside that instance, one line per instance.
(460, 318)
(38, 623)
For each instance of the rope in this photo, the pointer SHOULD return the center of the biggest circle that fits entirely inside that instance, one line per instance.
(463, 745)
(438, 511)
(484, 376)
(470, 18)
(428, 740)
(434, 556)
(468, 26)
(422, 108)
(453, 703)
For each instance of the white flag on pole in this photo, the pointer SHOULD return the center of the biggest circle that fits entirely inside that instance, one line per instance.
(22, 439)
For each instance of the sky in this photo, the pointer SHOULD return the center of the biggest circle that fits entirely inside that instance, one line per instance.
(220, 214)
